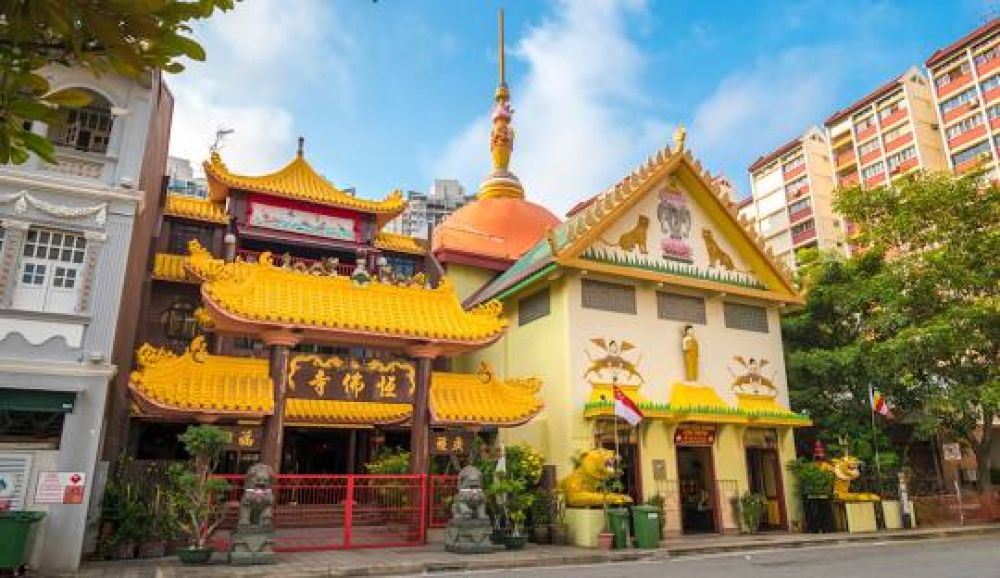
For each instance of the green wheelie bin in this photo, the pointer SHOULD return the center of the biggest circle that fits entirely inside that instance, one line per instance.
(646, 526)
(15, 527)
(618, 523)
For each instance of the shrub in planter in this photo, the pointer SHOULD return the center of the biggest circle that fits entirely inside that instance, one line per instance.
(751, 508)
(198, 497)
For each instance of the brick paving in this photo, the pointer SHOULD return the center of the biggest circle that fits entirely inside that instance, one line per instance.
(433, 558)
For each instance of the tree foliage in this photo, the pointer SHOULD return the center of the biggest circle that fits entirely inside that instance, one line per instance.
(127, 37)
(916, 313)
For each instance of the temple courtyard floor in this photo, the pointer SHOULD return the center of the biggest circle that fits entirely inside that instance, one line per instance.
(955, 552)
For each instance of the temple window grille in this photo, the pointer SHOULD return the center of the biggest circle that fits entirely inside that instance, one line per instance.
(608, 296)
(746, 317)
(534, 306)
(680, 308)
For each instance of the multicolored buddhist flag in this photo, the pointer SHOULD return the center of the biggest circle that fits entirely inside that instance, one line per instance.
(626, 409)
(879, 404)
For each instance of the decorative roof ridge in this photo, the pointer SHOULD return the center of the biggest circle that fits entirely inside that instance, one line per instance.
(308, 185)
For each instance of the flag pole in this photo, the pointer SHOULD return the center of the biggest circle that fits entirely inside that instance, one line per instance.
(871, 409)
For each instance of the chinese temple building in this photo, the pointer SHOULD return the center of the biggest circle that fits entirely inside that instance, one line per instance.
(278, 307)
(656, 288)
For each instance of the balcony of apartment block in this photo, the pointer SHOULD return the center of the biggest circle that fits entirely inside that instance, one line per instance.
(995, 124)
(983, 160)
(875, 180)
(893, 119)
(870, 156)
(848, 179)
(960, 111)
(803, 237)
(985, 68)
(955, 84)
(792, 194)
(970, 136)
(904, 167)
(844, 158)
(992, 95)
(898, 142)
(800, 215)
(865, 133)
(795, 173)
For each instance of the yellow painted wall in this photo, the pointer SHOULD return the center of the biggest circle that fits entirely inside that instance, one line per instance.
(467, 280)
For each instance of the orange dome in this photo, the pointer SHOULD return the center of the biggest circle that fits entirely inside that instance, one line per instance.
(496, 230)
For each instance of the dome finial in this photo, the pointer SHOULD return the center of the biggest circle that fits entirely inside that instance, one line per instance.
(302, 145)
(501, 181)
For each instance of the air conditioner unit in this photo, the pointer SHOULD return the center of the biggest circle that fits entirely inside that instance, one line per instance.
(974, 103)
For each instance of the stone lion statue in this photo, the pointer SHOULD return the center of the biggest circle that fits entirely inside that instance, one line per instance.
(846, 469)
(581, 486)
(257, 503)
(470, 503)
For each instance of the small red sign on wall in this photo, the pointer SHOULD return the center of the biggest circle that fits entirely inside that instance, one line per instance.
(689, 436)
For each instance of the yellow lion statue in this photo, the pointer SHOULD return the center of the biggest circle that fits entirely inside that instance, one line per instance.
(845, 470)
(580, 486)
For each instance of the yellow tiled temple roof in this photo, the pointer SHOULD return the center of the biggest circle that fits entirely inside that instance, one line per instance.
(296, 180)
(697, 403)
(345, 412)
(400, 243)
(170, 267)
(264, 293)
(194, 208)
(765, 409)
(198, 382)
(202, 383)
(479, 398)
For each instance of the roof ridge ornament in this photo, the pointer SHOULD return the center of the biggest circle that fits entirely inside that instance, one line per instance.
(501, 182)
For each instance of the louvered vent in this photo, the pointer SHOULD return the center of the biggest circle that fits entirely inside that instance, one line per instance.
(14, 470)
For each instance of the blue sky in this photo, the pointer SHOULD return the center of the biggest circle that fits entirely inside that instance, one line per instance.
(394, 93)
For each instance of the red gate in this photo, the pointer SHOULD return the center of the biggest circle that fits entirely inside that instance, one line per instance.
(325, 512)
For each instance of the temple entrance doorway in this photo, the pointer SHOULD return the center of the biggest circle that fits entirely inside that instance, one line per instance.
(314, 450)
(764, 475)
(696, 480)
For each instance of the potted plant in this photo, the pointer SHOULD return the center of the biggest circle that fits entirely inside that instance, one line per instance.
(751, 509)
(161, 524)
(605, 538)
(541, 511)
(199, 497)
(815, 486)
(558, 530)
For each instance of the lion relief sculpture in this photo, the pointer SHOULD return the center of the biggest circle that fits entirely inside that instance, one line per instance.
(257, 503)
(581, 486)
(845, 470)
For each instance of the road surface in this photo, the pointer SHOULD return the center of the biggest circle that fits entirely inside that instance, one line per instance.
(977, 557)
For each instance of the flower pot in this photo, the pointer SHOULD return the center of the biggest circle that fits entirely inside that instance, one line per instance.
(153, 549)
(559, 534)
(604, 540)
(540, 534)
(515, 542)
(195, 555)
(123, 551)
(497, 537)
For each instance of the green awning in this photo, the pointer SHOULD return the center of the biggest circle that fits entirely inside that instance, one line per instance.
(39, 401)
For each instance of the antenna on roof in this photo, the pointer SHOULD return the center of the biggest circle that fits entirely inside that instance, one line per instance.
(220, 134)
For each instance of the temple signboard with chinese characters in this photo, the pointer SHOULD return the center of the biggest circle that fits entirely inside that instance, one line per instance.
(245, 438)
(447, 443)
(349, 379)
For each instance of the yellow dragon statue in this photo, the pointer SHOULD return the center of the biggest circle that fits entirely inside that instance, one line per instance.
(845, 470)
(581, 486)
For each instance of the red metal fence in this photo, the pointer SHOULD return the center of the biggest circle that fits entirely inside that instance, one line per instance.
(442, 488)
(324, 512)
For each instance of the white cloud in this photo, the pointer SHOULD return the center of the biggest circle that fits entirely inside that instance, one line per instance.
(753, 111)
(260, 56)
(577, 111)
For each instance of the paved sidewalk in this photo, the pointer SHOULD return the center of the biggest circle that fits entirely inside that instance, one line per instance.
(432, 558)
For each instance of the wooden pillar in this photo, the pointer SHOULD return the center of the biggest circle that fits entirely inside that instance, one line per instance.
(420, 428)
(279, 345)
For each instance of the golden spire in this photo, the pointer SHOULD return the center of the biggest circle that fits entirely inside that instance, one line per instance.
(501, 182)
